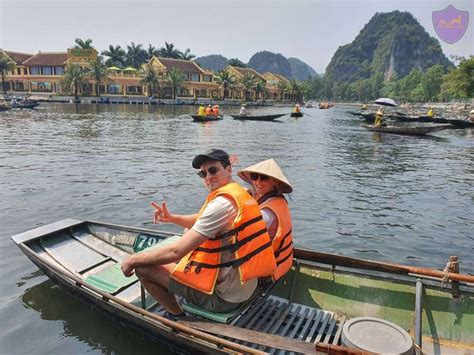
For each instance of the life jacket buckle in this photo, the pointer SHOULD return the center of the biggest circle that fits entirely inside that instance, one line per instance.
(197, 270)
(187, 268)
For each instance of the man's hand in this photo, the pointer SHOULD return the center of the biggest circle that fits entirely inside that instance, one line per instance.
(128, 266)
(161, 213)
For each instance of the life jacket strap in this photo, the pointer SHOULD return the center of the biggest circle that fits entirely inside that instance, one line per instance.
(234, 246)
(239, 228)
(280, 247)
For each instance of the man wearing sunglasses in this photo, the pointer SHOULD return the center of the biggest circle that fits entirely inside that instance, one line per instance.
(217, 262)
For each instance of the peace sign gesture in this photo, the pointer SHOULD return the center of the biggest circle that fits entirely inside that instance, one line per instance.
(161, 213)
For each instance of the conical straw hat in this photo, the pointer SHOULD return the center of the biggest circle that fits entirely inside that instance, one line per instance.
(270, 168)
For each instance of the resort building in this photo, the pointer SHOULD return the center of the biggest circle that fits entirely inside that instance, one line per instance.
(44, 72)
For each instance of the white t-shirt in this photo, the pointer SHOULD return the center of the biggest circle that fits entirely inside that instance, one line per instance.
(215, 220)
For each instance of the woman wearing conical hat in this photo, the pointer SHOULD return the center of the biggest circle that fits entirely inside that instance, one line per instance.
(269, 184)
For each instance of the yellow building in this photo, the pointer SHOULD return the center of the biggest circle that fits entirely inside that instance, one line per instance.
(43, 72)
(276, 85)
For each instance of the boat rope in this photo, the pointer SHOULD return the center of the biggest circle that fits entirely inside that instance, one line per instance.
(451, 266)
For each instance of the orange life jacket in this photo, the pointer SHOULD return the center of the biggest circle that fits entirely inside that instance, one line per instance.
(251, 245)
(215, 111)
(208, 111)
(283, 240)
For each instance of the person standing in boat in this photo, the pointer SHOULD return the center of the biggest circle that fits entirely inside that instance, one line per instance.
(243, 110)
(217, 262)
(296, 109)
(379, 122)
(269, 184)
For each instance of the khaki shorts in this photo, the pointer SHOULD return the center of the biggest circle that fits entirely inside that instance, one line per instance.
(200, 299)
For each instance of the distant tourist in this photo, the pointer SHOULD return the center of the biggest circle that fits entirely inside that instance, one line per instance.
(202, 110)
(379, 118)
(215, 110)
(430, 113)
(471, 116)
(296, 109)
(243, 111)
(208, 110)
(364, 107)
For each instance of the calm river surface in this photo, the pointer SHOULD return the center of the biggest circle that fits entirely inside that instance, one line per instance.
(386, 197)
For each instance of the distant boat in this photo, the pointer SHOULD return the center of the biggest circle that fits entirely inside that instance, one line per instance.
(455, 123)
(257, 118)
(4, 108)
(309, 105)
(296, 114)
(25, 104)
(197, 118)
(407, 130)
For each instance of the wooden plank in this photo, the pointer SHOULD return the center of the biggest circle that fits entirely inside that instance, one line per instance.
(337, 336)
(44, 230)
(315, 325)
(252, 336)
(307, 324)
(330, 329)
(300, 322)
(345, 261)
(276, 328)
(324, 323)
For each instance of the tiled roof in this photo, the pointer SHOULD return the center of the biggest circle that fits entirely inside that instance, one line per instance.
(186, 66)
(47, 59)
(248, 71)
(17, 57)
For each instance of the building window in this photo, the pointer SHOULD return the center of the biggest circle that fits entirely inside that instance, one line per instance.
(25, 71)
(207, 78)
(41, 86)
(18, 71)
(46, 70)
(114, 89)
(58, 70)
(35, 71)
(194, 77)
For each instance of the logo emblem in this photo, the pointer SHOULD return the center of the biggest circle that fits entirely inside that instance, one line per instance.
(450, 24)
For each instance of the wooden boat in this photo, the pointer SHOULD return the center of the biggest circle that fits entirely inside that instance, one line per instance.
(306, 311)
(4, 108)
(257, 118)
(455, 123)
(296, 114)
(407, 130)
(25, 104)
(197, 118)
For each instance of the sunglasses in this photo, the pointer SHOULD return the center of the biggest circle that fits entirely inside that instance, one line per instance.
(211, 171)
(255, 176)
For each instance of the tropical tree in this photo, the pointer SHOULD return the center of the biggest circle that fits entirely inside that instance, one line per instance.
(260, 90)
(226, 79)
(282, 86)
(236, 63)
(116, 56)
(169, 51)
(459, 82)
(87, 44)
(296, 90)
(151, 79)
(152, 51)
(98, 72)
(431, 82)
(6, 65)
(74, 76)
(136, 55)
(248, 81)
(175, 79)
(186, 55)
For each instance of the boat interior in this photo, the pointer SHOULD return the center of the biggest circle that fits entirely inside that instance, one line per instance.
(309, 305)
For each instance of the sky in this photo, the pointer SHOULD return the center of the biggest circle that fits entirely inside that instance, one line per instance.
(310, 30)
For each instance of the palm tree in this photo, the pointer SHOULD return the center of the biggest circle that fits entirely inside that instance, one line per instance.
(296, 89)
(6, 65)
(282, 86)
(226, 79)
(168, 51)
(186, 55)
(150, 79)
(236, 63)
(248, 81)
(98, 72)
(87, 44)
(152, 51)
(74, 76)
(260, 90)
(136, 55)
(174, 78)
(116, 56)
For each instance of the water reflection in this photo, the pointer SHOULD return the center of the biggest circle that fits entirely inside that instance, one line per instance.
(86, 324)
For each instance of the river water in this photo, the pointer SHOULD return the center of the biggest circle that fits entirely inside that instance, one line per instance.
(394, 198)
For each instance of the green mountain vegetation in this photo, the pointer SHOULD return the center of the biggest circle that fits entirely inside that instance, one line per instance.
(214, 62)
(266, 61)
(392, 56)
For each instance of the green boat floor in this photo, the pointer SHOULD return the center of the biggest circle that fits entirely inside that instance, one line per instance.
(110, 280)
(216, 317)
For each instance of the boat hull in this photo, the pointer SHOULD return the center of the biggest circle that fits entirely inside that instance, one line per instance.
(407, 130)
(197, 118)
(257, 118)
(296, 114)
